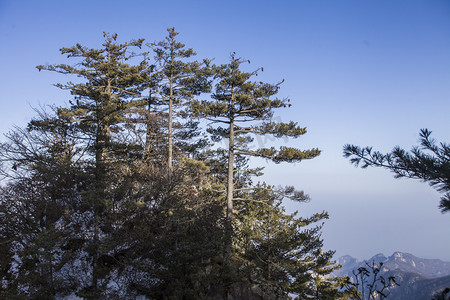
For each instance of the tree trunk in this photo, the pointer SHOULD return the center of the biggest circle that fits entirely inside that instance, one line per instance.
(169, 163)
(229, 215)
(230, 183)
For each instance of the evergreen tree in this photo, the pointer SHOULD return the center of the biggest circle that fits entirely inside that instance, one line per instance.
(246, 108)
(89, 206)
(179, 79)
(109, 88)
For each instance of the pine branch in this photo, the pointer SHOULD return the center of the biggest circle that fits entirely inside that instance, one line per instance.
(433, 168)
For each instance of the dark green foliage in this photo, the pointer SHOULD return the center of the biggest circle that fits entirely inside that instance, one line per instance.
(109, 89)
(237, 100)
(281, 253)
(429, 162)
(264, 247)
(89, 208)
(178, 80)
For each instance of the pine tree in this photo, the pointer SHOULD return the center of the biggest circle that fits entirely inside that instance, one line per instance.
(246, 108)
(179, 80)
(109, 88)
(93, 205)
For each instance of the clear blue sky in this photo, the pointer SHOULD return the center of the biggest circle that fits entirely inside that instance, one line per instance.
(361, 72)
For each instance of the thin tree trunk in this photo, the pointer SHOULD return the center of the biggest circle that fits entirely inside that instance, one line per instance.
(169, 163)
(229, 214)
(230, 183)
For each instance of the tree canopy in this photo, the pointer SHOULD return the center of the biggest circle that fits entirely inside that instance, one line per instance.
(100, 200)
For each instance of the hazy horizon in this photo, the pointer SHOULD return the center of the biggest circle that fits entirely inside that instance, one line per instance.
(369, 73)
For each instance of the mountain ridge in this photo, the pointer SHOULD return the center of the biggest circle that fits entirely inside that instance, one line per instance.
(429, 268)
(419, 278)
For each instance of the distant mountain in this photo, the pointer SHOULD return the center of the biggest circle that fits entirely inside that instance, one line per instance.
(419, 278)
(428, 268)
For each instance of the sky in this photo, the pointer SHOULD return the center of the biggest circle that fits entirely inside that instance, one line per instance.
(369, 73)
